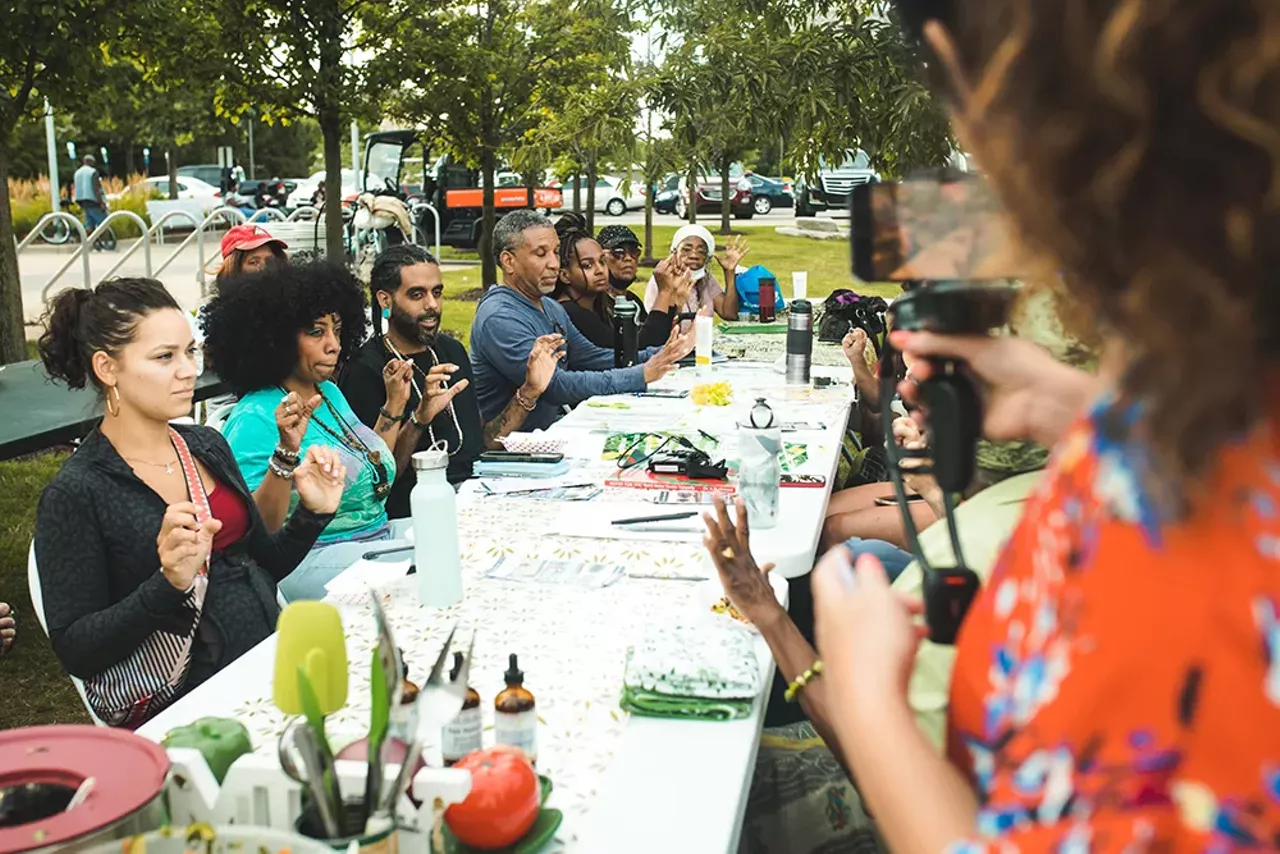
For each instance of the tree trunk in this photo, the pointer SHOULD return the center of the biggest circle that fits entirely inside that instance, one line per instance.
(172, 159)
(328, 98)
(648, 260)
(488, 218)
(13, 341)
(591, 192)
(331, 131)
(726, 206)
(577, 192)
(130, 167)
(692, 212)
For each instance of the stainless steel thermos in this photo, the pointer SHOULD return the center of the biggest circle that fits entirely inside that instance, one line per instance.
(799, 342)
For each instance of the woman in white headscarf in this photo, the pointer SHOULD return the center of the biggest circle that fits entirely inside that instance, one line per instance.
(692, 248)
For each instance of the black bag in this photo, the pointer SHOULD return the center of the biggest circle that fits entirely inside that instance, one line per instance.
(845, 310)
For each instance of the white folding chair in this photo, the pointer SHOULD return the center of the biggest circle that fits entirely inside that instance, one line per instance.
(37, 605)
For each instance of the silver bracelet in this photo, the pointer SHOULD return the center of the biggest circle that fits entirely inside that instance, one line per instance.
(279, 470)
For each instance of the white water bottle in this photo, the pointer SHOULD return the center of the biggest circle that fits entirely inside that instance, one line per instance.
(759, 469)
(434, 509)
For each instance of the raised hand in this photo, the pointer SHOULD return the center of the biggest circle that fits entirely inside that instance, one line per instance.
(679, 344)
(320, 479)
(397, 376)
(854, 345)
(184, 544)
(732, 254)
(746, 584)
(436, 393)
(292, 417)
(546, 354)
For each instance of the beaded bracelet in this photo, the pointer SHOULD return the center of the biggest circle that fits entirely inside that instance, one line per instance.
(278, 470)
(395, 419)
(524, 404)
(794, 689)
(287, 455)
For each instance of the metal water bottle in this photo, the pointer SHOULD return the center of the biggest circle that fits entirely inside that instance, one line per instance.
(768, 298)
(799, 342)
(434, 511)
(626, 333)
(759, 469)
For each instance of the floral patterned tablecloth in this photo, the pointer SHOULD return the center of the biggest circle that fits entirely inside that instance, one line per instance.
(571, 641)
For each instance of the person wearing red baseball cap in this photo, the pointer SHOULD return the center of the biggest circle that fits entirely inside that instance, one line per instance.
(247, 249)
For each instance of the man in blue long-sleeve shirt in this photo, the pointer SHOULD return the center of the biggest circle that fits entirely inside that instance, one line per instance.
(511, 317)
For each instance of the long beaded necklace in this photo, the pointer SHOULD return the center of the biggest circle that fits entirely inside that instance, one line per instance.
(413, 380)
(351, 440)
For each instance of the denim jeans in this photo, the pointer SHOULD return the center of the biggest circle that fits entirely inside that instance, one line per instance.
(325, 563)
(893, 559)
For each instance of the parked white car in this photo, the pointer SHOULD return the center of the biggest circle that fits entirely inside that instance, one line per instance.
(307, 187)
(614, 196)
(188, 188)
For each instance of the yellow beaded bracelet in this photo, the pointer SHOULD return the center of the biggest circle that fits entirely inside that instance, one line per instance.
(794, 689)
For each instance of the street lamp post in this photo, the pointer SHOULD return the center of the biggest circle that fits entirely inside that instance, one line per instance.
(51, 142)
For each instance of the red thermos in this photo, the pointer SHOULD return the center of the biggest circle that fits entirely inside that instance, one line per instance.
(768, 298)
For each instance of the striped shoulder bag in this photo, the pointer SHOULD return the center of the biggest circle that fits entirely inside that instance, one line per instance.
(133, 690)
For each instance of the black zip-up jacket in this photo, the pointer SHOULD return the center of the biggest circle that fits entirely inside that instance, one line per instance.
(104, 591)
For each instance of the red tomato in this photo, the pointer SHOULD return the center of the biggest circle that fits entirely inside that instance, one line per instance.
(504, 801)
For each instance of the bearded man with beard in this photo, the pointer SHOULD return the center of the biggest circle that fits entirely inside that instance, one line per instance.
(511, 316)
(408, 295)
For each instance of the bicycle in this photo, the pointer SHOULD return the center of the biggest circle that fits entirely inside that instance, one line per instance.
(106, 242)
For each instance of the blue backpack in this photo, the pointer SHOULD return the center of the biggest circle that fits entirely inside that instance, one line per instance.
(748, 285)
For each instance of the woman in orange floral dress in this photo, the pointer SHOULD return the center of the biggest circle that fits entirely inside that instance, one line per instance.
(1117, 684)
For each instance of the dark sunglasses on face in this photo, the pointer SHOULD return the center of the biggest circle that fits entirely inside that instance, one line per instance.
(629, 251)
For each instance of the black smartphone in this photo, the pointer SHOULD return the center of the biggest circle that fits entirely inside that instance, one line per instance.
(514, 457)
(928, 229)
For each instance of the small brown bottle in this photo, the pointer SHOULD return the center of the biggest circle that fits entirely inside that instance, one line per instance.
(463, 734)
(515, 720)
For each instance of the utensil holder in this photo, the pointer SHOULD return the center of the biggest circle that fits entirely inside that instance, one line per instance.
(383, 837)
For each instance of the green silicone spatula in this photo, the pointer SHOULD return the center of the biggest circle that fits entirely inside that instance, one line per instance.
(310, 638)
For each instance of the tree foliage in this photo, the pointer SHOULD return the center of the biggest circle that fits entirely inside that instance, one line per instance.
(49, 50)
(496, 71)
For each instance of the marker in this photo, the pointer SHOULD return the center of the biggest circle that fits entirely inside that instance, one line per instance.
(643, 520)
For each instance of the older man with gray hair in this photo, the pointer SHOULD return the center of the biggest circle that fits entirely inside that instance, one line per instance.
(511, 317)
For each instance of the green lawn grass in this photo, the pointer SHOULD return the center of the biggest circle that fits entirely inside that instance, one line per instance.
(37, 691)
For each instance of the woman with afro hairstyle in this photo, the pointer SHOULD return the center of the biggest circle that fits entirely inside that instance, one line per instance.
(278, 338)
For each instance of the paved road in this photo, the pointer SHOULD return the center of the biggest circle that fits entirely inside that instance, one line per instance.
(779, 216)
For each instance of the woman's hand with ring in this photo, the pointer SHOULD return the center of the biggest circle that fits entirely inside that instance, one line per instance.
(292, 418)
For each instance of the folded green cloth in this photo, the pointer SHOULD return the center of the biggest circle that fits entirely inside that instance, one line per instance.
(651, 705)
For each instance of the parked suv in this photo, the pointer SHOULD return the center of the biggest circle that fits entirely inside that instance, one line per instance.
(833, 185)
(709, 197)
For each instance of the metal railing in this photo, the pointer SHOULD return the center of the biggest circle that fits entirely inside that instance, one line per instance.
(231, 215)
(41, 224)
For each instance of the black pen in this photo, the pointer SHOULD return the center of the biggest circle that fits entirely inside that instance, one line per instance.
(643, 520)
(381, 552)
(707, 435)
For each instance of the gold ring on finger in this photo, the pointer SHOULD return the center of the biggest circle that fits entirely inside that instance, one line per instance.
(727, 551)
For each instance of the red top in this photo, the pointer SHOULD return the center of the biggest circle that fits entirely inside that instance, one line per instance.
(228, 508)
(1117, 687)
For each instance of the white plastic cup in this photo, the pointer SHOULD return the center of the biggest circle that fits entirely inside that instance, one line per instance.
(800, 285)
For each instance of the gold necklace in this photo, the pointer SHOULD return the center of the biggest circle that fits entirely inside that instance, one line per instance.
(168, 467)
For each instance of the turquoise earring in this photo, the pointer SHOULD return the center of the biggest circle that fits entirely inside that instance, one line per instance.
(386, 314)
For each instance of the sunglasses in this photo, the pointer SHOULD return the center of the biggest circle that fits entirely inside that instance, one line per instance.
(621, 252)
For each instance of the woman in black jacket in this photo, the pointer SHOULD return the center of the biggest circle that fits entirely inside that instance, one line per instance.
(156, 574)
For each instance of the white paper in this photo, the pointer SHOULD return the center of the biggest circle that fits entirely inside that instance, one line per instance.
(595, 520)
(364, 574)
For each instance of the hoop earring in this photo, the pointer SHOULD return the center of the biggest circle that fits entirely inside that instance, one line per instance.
(114, 413)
